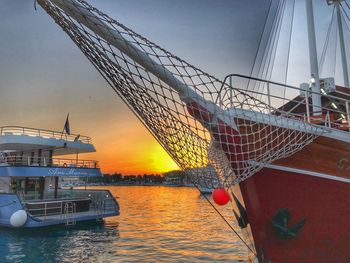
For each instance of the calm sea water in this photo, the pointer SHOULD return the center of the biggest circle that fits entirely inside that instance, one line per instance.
(157, 224)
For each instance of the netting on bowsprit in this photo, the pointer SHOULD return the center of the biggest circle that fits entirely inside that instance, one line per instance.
(215, 132)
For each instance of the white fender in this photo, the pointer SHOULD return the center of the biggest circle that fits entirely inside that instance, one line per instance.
(18, 218)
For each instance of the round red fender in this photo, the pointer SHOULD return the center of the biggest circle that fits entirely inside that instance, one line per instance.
(220, 196)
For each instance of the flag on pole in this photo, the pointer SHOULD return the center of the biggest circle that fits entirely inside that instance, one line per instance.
(66, 125)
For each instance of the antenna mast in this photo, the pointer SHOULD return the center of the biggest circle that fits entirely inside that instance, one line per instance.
(315, 78)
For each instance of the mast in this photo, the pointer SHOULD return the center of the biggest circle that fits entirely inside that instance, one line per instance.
(342, 43)
(315, 78)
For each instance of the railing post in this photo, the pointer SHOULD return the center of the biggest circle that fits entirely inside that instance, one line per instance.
(231, 88)
(328, 120)
(269, 96)
(304, 87)
(348, 112)
(45, 209)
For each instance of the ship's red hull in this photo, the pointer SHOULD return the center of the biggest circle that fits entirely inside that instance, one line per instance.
(311, 184)
(323, 203)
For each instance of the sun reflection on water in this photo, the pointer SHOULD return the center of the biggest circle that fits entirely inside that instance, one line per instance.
(156, 224)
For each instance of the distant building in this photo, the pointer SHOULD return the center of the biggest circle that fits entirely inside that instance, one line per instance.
(174, 178)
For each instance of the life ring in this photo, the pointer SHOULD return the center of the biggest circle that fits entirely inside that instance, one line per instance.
(64, 165)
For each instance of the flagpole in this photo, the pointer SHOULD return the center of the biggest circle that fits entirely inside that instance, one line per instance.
(64, 126)
(62, 133)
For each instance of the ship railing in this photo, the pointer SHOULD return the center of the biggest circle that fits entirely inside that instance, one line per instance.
(71, 194)
(46, 209)
(101, 201)
(287, 101)
(47, 162)
(18, 130)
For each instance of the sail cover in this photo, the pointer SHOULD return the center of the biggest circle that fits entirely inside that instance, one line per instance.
(215, 132)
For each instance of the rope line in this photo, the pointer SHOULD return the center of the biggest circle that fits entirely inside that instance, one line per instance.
(260, 40)
(223, 218)
(347, 16)
(327, 41)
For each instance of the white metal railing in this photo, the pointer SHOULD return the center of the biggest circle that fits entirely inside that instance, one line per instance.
(101, 202)
(45, 210)
(18, 130)
(47, 162)
(334, 114)
(64, 194)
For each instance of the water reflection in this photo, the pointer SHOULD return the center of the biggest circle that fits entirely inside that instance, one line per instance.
(157, 224)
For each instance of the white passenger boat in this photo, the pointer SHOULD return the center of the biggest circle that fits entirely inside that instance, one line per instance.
(29, 179)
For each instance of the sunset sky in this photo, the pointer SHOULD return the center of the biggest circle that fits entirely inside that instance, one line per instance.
(43, 75)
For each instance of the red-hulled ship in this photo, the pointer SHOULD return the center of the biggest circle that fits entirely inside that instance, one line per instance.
(296, 206)
(290, 156)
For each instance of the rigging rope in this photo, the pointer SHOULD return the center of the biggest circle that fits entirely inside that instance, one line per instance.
(327, 41)
(289, 43)
(260, 41)
(346, 24)
(268, 49)
(347, 16)
(289, 47)
(346, 2)
(273, 46)
(268, 65)
(335, 52)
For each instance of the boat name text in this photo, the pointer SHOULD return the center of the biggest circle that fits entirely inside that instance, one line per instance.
(67, 172)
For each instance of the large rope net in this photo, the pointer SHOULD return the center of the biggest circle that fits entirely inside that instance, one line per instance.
(216, 133)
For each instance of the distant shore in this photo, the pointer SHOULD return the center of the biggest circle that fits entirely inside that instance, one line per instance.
(138, 184)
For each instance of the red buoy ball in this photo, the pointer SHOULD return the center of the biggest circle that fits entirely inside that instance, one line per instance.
(220, 196)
